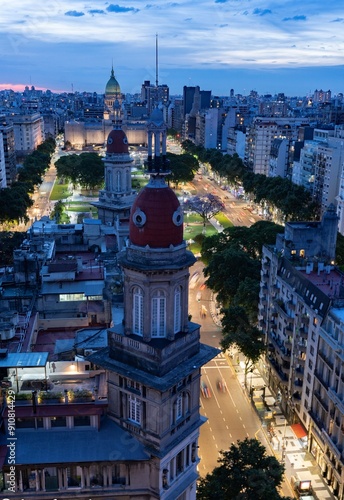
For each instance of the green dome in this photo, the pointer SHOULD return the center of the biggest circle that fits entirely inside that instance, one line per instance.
(112, 86)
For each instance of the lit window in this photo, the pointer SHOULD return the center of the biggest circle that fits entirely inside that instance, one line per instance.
(134, 409)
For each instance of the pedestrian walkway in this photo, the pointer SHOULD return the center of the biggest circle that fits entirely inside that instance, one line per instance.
(284, 439)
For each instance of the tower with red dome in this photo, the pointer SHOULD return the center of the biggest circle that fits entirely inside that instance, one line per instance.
(117, 197)
(154, 357)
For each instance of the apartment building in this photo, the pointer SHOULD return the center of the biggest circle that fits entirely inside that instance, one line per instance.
(28, 132)
(301, 315)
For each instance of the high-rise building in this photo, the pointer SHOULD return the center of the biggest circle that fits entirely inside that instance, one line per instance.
(188, 99)
(301, 315)
(2, 163)
(9, 151)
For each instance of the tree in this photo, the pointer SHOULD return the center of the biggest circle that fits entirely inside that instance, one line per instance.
(67, 168)
(238, 330)
(86, 169)
(340, 250)
(14, 202)
(9, 241)
(233, 268)
(183, 167)
(245, 472)
(227, 269)
(57, 212)
(91, 170)
(206, 206)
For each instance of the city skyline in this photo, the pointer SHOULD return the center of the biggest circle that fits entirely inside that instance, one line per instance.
(219, 45)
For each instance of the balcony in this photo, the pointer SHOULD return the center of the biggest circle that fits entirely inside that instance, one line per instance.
(291, 305)
(266, 266)
(317, 395)
(285, 355)
(277, 370)
(289, 330)
(297, 384)
(325, 359)
(262, 324)
(305, 320)
(302, 347)
(319, 377)
(303, 332)
(318, 421)
(301, 361)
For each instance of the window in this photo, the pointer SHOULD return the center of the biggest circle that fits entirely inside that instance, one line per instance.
(158, 314)
(72, 297)
(134, 409)
(58, 421)
(180, 462)
(138, 311)
(179, 406)
(82, 420)
(177, 310)
(118, 181)
(132, 385)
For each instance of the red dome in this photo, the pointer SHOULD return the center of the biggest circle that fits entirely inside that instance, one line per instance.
(117, 142)
(156, 218)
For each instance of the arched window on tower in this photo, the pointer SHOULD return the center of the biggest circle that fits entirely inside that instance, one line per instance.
(158, 314)
(108, 180)
(137, 311)
(118, 181)
(177, 309)
(128, 179)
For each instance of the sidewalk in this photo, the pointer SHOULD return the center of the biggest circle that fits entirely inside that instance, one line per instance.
(281, 436)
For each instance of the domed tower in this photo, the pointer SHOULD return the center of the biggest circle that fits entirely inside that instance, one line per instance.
(117, 197)
(154, 357)
(112, 93)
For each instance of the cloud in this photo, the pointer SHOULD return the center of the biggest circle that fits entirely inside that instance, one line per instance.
(118, 9)
(338, 20)
(221, 1)
(295, 18)
(262, 12)
(96, 11)
(223, 25)
(74, 13)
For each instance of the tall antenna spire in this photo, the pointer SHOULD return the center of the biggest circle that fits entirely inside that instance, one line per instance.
(156, 60)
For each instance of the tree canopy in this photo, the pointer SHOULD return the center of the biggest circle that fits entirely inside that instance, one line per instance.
(233, 265)
(292, 201)
(15, 200)
(245, 472)
(86, 169)
(183, 167)
(9, 241)
(206, 206)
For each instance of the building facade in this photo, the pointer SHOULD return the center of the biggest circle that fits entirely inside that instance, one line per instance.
(301, 314)
(28, 132)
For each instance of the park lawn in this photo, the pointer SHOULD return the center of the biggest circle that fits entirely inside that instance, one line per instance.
(192, 217)
(59, 192)
(223, 220)
(81, 208)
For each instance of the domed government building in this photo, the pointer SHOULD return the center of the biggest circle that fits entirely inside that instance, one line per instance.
(92, 131)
